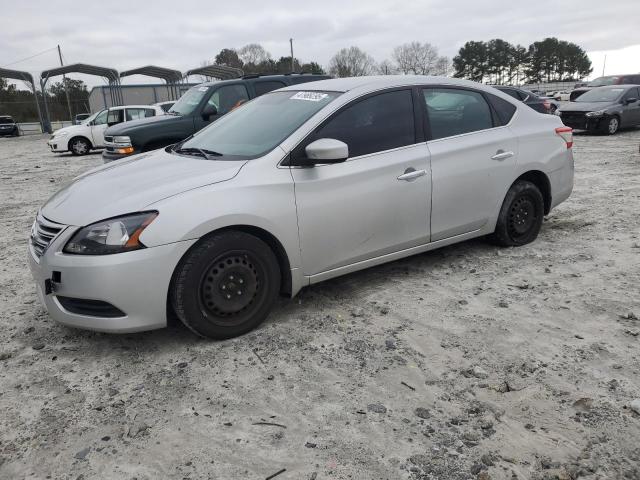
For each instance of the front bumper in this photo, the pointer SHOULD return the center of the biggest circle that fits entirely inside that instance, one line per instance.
(108, 156)
(136, 283)
(585, 123)
(58, 145)
(8, 131)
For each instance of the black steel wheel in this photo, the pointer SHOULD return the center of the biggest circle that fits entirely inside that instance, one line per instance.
(225, 285)
(521, 215)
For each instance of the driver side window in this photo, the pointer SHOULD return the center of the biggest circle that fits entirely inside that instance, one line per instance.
(115, 116)
(228, 97)
(101, 119)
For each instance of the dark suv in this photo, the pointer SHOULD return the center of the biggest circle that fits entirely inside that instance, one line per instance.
(197, 108)
(8, 126)
(529, 98)
(633, 79)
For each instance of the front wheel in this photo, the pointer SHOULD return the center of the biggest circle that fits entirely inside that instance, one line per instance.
(521, 215)
(226, 285)
(79, 146)
(611, 126)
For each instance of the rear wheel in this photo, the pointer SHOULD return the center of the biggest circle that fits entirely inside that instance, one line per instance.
(226, 285)
(521, 215)
(79, 146)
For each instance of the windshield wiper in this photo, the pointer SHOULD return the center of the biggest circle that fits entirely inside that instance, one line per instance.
(201, 152)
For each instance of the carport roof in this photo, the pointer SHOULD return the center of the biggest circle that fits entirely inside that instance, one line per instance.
(109, 73)
(168, 74)
(216, 71)
(16, 75)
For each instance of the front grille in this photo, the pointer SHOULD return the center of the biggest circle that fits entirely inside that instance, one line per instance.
(91, 308)
(43, 232)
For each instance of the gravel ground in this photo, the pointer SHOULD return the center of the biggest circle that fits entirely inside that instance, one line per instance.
(466, 362)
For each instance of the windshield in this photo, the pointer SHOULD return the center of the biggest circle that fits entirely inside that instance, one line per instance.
(603, 81)
(259, 126)
(601, 94)
(6, 120)
(189, 101)
(91, 117)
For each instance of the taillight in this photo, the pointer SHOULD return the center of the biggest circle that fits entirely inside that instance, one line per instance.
(567, 135)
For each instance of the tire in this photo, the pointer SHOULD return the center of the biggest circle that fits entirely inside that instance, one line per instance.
(552, 109)
(520, 216)
(79, 146)
(16, 133)
(611, 126)
(226, 285)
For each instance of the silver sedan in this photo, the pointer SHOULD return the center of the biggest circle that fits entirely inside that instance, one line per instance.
(295, 187)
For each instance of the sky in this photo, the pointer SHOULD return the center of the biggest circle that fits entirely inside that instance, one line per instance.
(183, 34)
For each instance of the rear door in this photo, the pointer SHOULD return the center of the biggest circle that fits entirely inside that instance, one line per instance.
(376, 202)
(473, 158)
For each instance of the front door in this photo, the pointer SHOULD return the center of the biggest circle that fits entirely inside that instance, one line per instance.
(472, 160)
(631, 111)
(114, 116)
(378, 201)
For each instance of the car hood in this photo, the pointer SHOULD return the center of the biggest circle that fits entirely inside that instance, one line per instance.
(131, 184)
(134, 125)
(70, 130)
(586, 106)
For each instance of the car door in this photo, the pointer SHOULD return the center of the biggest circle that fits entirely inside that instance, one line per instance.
(631, 110)
(224, 98)
(114, 117)
(473, 159)
(378, 200)
(99, 124)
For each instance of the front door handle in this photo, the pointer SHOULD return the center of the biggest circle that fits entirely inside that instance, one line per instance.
(411, 174)
(502, 155)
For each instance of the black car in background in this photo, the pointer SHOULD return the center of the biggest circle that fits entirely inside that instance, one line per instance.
(603, 109)
(8, 126)
(529, 98)
(197, 108)
(630, 79)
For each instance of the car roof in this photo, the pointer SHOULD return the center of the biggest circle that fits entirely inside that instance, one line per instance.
(376, 82)
(260, 77)
(118, 107)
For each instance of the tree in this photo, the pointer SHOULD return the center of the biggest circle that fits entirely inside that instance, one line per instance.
(387, 67)
(351, 62)
(229, 57)
(417, 58)
(471, 61)
(557, 60)
(312, 67)
(254, 54)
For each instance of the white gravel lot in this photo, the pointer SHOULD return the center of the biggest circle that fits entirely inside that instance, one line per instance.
(469, 362)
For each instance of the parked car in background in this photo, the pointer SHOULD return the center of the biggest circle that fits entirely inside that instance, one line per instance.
(89, 135)
(8, 126)
(629, 79)
(197, 108)
(562, 96)
(165, 105)
(298, 186)
(81, 117)
(526, 97)
(604, 109)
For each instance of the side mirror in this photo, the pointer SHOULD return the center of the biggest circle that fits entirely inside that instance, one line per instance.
(630, 100)
(324, 151)
(209, 111)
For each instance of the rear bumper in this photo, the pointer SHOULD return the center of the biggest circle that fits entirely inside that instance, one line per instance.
(135, 283)
(561, 181)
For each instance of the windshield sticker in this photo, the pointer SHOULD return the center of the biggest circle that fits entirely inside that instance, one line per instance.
(309, 96)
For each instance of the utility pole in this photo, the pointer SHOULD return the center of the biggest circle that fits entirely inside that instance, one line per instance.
(291, 45)
(604, 64)
(64, 84)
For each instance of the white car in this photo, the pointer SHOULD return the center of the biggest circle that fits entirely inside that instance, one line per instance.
(295, 187)
(89, 135)
(563, 96)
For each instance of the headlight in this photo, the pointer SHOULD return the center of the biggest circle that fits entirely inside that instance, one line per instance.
(115, 235)
(123, 141)
(599, 113)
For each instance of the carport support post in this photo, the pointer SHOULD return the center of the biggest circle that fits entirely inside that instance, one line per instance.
(47, 122)
(35, 94)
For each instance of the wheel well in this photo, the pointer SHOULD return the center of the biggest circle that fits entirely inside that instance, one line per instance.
(79, 136)
(540, 180)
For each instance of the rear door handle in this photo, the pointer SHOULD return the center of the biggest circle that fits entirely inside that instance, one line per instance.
(501, 155)
(411, 174)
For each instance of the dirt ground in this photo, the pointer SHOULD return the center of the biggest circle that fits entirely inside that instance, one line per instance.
(469, 362)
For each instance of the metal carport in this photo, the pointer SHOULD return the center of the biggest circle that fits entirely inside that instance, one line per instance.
(26, 77)
(170, 76)
(221, 72)
(110, 74)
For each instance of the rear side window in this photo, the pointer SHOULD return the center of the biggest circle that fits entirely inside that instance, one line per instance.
(454, 111)
(264, 87)
(512, 92)
(375, 124)
(504, 109)
(228, 97)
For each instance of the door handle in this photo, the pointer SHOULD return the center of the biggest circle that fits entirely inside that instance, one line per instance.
(411, 174)
(501, 155)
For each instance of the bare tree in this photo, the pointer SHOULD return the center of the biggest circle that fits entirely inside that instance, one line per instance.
(253, 53)
(351, 62)
(418, 58)
(387, 67)
(443, 67)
